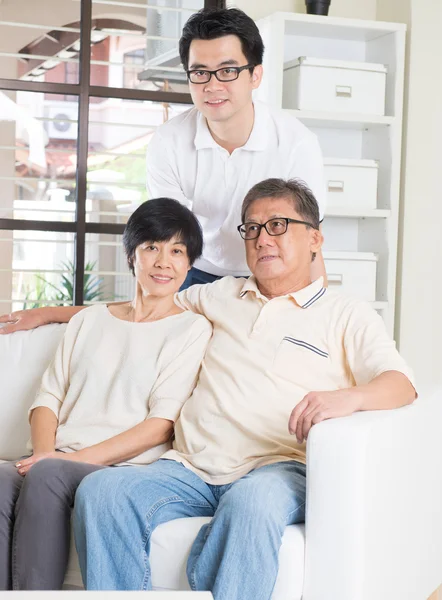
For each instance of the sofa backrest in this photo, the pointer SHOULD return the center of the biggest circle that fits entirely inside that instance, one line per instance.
(24, 356)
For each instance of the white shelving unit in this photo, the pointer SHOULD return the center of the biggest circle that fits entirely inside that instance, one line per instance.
(288, 36)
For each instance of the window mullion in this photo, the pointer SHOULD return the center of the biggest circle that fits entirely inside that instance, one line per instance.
(82, 149)
(214, 3)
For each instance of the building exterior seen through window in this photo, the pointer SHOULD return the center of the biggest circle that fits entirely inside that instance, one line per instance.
(74, 127)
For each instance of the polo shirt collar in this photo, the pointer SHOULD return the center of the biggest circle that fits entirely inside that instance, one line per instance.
(305, 297)
(257, 140)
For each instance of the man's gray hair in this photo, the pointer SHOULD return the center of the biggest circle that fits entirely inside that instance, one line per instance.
(296, 190)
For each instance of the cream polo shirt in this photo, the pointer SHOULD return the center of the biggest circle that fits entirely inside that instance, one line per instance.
(109, 375)
(263, 358)
(184, 162)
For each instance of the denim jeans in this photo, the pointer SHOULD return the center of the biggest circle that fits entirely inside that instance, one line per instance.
(196, 276)
(235, 556)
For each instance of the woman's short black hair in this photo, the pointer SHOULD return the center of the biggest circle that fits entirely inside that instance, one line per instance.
(159, 220)
(209, 24)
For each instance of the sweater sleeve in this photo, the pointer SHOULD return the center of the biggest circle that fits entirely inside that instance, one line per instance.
(55, 380)
(178, 378)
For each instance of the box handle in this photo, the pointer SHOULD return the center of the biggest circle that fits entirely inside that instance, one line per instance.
(335, 278)
(335, 186)
(344, 91)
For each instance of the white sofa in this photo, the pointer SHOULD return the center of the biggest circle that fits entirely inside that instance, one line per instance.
(374, 505)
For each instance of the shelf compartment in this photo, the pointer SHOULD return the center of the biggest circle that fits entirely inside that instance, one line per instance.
(334, 120)
(358, 213)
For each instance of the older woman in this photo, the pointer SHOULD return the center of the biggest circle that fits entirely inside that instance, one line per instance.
(110, 397)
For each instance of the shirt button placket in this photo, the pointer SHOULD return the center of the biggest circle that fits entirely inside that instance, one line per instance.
(259, 323)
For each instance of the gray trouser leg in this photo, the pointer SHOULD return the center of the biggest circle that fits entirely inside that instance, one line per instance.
(10, 484)
(40, 547)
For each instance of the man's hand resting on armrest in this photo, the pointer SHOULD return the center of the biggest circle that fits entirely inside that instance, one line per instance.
(21, 320)
(388, 390)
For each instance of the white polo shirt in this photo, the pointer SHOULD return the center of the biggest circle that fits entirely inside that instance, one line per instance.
(263, 358)
(184, 162)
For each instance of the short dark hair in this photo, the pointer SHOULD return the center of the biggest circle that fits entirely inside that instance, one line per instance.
(159, 220)
(209, 24)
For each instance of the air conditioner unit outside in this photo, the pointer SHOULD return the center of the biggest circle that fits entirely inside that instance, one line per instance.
(63, 120)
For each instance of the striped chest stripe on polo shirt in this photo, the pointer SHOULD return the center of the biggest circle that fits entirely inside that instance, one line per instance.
(306, 345)
(315, 298)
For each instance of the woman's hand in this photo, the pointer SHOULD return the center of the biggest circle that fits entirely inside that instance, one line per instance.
(23, 466)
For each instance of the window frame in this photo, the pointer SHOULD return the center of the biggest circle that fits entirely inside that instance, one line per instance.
(84, 91)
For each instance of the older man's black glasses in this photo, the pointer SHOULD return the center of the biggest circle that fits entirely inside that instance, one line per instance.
(276, 226)
(223, 74)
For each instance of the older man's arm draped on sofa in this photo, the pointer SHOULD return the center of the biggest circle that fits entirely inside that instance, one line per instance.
(23, 320)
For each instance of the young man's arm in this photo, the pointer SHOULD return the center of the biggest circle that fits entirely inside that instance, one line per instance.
(161, 179)
(22, 320)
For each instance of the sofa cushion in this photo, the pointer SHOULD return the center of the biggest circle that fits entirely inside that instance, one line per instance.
(24, 356)
(170, 547)
(171, 543)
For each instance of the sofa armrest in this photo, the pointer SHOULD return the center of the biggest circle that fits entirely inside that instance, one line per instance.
(374, 504)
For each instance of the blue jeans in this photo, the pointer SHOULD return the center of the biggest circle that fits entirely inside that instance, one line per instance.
(196, 276)
(235, 556)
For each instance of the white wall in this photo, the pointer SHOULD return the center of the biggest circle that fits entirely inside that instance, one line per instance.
(357, 9)
(419, 314)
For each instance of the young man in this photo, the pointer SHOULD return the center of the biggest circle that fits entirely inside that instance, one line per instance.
(209, 157)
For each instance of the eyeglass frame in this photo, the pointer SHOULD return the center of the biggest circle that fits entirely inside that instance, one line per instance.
(286, 219)
(237, 69)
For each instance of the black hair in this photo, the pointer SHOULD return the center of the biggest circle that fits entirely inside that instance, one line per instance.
(159, 220)
(209, 24)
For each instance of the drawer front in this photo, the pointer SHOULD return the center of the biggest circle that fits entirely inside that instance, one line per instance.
(351, 187)
(335, 90)
(352, 277)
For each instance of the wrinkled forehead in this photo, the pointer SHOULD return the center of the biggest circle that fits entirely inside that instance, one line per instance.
(262, 209)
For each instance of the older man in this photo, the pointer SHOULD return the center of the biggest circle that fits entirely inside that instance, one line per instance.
(286, 353)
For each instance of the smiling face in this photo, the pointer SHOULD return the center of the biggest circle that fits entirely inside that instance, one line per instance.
(161, 267)
(284, 259)
(216, 100)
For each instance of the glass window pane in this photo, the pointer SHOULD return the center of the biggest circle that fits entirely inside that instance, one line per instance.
(138, 47)
(38, 156)
(119, 132)
(36, 269)
(107, 275)
(39, 41)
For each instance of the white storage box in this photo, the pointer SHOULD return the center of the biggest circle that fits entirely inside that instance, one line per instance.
(334, 86)
(352, 273)
(351, 183)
